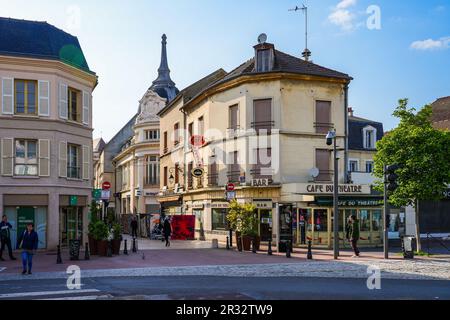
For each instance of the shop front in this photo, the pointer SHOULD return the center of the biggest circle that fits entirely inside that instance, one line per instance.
(72, 218)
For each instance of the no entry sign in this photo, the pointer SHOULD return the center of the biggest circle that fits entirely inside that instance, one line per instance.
(106, 185)
(231, 187)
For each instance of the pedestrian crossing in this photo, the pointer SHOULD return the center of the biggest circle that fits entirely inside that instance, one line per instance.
(83, 294)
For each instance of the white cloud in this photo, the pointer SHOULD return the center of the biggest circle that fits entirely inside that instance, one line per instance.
(341, 15)
(430, 44)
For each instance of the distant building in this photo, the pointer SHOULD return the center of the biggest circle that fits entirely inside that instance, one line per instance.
(45, 131)
(130, 160)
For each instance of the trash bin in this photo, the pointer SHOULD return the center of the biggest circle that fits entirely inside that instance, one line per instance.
(407, 247)
(74, 250)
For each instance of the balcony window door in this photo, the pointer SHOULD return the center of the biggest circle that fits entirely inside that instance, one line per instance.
(73, 161)
(262, 115)
(323, 164)
(25, 97)
(26, 163)
(323, 117)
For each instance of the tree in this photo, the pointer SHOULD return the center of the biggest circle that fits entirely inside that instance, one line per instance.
(423, 154)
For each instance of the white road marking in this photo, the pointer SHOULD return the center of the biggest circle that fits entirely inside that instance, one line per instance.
(77, 298)
(45, 293)
(2, 269)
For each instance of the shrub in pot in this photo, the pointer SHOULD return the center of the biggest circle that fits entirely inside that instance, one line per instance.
(117, 238)
(241, 218)
(100, 235)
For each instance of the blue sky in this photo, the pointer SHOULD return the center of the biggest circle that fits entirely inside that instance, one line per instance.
(408, 57)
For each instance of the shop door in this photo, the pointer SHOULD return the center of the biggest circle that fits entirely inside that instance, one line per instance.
(25, 215)
(11, 213)
(343, 226)
(304, 226)
(71, 224)
(321, 234)
(265, 227)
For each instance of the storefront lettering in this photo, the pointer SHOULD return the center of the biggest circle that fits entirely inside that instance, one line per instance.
(328, 188)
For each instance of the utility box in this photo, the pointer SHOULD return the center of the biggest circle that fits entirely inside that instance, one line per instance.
(407, 247)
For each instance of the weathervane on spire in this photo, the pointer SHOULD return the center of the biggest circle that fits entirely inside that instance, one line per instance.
(307, 53)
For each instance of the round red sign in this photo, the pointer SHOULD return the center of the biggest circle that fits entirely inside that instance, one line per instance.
(106, 185)
(231, 187)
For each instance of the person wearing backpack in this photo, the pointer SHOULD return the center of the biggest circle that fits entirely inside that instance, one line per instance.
(5, 238)
(28, 242)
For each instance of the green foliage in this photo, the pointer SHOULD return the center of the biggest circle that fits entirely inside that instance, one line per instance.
(117, 231)
(242, 219)
(98, 230)
(94, 211)
(423, 153)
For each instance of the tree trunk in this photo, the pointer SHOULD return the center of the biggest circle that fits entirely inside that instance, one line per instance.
(419, 243)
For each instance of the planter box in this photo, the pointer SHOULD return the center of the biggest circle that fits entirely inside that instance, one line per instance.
(247, 242)
(93, 246)
(102, 247)
(116, 247)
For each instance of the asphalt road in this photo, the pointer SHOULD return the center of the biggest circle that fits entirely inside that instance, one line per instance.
(220, 288)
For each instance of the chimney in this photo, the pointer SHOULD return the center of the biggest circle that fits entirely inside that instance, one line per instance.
(350, 112)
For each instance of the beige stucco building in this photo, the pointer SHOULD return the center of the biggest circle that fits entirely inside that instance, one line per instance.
(264, 125)
(45, 132)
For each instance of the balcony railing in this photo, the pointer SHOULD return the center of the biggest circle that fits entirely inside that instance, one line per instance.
(233, 175)
(213, 179)
(323, 127)
(261, 172)
(263, 125)
(325, 176)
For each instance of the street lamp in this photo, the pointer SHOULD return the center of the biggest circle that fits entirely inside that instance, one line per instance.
(173, 171)
(331, 140)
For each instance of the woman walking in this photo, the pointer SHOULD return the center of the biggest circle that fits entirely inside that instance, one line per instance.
(167, 231)
(28, 242)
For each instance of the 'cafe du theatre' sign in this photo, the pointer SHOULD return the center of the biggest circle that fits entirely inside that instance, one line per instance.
(329, 189)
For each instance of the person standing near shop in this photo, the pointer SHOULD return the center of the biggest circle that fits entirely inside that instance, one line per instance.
(167, 231)
(353, 234)
(5, 238)
(134, 227)
(28, 242)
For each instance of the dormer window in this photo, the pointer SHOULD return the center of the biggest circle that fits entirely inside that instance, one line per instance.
(264, 57)
(370, 137)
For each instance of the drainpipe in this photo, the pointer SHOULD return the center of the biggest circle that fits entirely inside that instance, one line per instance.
(346, 179)
(185, 149)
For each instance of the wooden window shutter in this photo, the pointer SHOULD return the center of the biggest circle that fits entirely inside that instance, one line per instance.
(63, 101)
(323, 164)
(323, 116)
(234, 117)
(63, 159)
(7, 156)
(44, 158)
(44, 98)
(262, 114)
(86, 162)
(86, 109)
(8, 96)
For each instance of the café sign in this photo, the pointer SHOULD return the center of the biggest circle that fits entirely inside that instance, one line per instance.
(319, 189)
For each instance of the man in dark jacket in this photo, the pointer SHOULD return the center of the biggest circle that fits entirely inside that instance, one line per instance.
(134, 227)
(5, 238)
(167, 231)
(28, 242)
(353, 234)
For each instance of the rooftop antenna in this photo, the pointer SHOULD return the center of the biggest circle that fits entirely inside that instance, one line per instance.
(306, 54)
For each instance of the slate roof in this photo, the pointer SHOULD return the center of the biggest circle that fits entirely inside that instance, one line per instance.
(355, 134)
(286, 63)
(194, 89)
(40, 40)
(441, 110)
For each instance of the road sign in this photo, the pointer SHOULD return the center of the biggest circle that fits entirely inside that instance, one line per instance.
(198, 141)
(97, 194)
(106, 185)
(231, 195)
(231, 187)
(106, 194)
(198, 172)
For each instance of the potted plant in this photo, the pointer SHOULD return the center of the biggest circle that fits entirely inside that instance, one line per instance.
(241, 218)
(116, 231)
(92, 228)
(100, 235)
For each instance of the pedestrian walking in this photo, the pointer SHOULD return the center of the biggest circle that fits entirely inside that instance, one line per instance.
(134, 227)
(28, 242)
(167, 231)
(5, 238)
(353, 234)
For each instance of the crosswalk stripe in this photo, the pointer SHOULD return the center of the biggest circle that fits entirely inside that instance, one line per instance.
(46, 293)
(2, 269)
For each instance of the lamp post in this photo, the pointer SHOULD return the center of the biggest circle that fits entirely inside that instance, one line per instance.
(331, 140)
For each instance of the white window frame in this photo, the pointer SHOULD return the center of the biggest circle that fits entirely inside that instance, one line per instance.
(357, 164)
(374, 138)
(373, 165)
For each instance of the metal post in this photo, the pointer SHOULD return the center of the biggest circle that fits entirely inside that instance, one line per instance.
(87, 255)
(309, 255)
(385, 217)
(109, 252)
(125, 249)
(228, 243)
(231, 238)
(134, 246)
(253, 246)
(336, 202)
(269, 251)
(288, 249)
(58, 255)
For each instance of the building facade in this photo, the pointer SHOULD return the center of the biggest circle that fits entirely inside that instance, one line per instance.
(45, 131)
(264, 126)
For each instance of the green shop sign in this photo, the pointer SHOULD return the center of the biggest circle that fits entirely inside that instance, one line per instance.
(350, 202)
(97, 194)
(73, 201)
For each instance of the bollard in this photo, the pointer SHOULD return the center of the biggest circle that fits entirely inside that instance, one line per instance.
(58, 258)
(253, 246)
(109, 252)
(134, 245)
(228, 244)
(269, 251)
(310, 256)
(125, 249)
(288, 249)
(87, 255)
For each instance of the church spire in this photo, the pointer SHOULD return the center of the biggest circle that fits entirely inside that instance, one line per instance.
(163, 79)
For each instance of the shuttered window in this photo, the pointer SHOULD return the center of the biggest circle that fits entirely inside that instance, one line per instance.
(166, 176)
(212, 173)
(263, 168)
(7, 95)
(86, 108)
(234, 117)
(7, 156)
(165, 143)
(323, 164)
(44, 158)
(234, 168)
(151, 176)
(44, 98)
(25, 97)
(262, 115)
(26, 158)
(86, 156)
(176, 134)
(190, 177)
(323, 117)
(63, 101)
(74, 164)
(62, 159)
